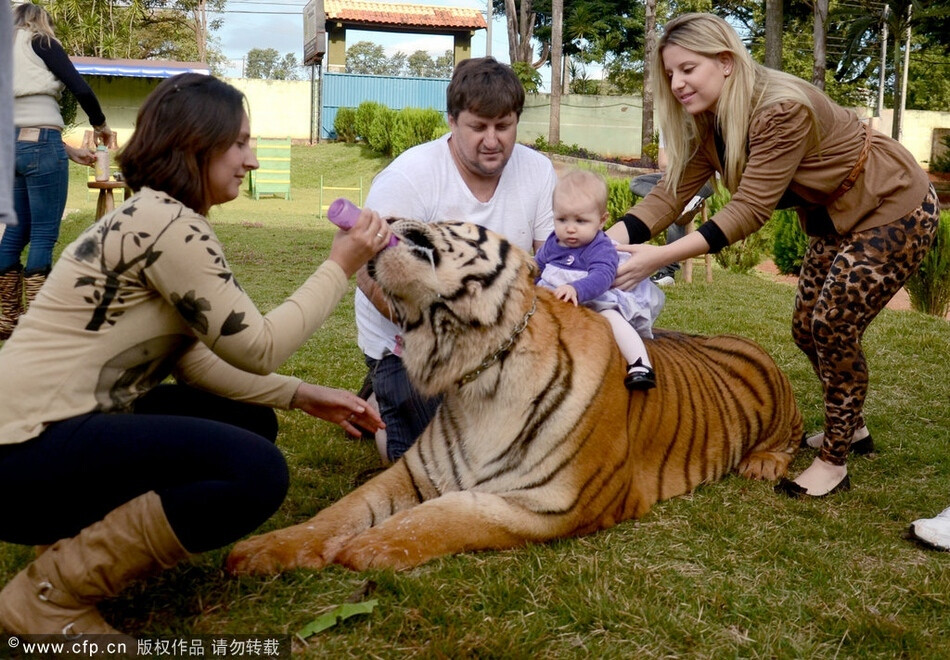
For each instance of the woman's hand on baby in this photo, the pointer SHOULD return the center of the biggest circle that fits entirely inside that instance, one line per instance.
(644, 260)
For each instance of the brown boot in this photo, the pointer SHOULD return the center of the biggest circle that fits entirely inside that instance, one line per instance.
(11, 299)
(58, 592)
(32, 284)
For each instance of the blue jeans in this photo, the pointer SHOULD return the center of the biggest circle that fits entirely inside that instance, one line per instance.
(212, 461)
(405, 412)
(39, 198)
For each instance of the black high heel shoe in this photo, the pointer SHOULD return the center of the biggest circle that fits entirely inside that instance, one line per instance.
(791, 489)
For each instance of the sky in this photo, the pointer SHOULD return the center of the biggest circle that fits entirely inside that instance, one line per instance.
(278, 24)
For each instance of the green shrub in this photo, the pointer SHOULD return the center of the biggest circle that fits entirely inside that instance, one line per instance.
(541, 144)
(345, 124)
(67, 108)
(365, 115)
(650, 150)
(619, 198)
(584, 85)
(413, 126)
(719, 198)
(788, 248)
(379, 135)
(929, 287)
(529, 77)
(744, 255)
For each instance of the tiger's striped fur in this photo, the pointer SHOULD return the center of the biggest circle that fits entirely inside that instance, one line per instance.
(537, 437)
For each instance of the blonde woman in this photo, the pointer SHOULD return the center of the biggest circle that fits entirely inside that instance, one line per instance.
(41, 71)
(779, 142)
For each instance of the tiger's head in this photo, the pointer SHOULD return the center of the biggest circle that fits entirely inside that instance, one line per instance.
(458, 291)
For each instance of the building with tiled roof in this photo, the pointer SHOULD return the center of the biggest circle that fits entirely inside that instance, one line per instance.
(332, 18)
(403, 17)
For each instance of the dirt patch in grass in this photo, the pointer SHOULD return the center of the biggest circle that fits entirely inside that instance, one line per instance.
(900, 301)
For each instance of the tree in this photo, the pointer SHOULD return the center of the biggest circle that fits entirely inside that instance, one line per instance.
(773, 34)
(649, 46)
(197, 11)
(266, 63)
(421, 65)
(863, 25)
(138, 29)
(820, 29)
(593, 31)
(557, 25)
(521, 19)
(367, 58)
(444, 65)
(397, 64)
(928, 83)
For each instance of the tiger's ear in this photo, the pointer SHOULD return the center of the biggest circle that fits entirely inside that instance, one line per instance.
(533, 271)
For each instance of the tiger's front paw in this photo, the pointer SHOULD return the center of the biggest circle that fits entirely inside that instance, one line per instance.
(271, 553)
(361, 554)
(765, 465)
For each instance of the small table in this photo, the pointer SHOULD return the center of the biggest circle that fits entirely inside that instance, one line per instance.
(106, 201)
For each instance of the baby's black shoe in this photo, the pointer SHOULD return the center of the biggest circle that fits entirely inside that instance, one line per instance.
(639, 376)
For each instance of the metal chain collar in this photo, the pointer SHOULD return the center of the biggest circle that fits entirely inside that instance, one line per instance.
(504, 348)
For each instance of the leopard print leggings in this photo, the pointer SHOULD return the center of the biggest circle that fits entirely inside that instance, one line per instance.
(845, 281)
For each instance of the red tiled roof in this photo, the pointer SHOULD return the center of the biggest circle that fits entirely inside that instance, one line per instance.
(386, 13)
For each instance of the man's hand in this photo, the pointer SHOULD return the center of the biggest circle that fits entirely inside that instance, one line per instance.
(375, 294)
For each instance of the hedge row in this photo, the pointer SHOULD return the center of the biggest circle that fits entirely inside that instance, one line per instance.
(388, 131)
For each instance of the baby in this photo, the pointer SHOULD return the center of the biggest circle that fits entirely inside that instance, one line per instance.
(579, 262)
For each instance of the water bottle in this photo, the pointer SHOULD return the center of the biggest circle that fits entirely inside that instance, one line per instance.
(343, 213)
(102, 163)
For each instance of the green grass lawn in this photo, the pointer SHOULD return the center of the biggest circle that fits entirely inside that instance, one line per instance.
(730, 571)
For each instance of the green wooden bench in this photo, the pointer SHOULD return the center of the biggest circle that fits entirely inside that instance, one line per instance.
(273, 175)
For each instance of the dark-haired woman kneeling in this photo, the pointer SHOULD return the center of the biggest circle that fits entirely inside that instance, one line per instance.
(124, 476)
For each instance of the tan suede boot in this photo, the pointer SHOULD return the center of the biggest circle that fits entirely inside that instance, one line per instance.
(11, 300)
(58, 592)
(32, 284)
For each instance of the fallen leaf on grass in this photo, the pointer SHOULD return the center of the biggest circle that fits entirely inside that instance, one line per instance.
(334, 616)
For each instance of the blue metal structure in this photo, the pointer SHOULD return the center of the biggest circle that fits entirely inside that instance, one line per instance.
(348, 90)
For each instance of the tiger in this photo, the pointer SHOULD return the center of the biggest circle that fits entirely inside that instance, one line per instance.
(536, 437)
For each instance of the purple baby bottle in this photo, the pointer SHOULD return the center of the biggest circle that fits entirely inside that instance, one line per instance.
(343, 213)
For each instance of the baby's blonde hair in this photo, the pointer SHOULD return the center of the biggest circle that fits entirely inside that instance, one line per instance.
(585, 182)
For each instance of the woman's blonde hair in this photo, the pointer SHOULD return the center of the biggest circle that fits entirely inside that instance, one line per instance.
(747, 88)
(35, 19)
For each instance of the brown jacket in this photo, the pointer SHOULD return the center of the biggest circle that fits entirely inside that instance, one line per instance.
(784, 154)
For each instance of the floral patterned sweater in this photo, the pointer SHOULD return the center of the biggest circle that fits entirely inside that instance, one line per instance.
(143, 293)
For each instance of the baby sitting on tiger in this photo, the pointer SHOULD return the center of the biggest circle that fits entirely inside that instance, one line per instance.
(579, 262)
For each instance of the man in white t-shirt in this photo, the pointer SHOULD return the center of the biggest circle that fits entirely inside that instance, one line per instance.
(476, 173)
